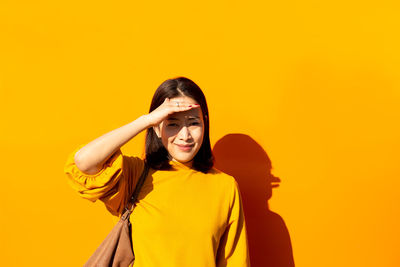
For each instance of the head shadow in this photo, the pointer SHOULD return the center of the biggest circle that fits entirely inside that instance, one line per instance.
(243, 158)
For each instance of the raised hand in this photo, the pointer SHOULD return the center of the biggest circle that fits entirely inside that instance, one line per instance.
(167, 108)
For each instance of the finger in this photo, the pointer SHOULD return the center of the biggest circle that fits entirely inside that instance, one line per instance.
(194, 105)
(183, 104)
(184, 108)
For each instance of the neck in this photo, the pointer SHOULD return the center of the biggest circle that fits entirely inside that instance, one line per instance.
(188, 164)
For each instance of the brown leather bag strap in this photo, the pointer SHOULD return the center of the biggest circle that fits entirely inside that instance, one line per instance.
(140, 183)
(135, 194)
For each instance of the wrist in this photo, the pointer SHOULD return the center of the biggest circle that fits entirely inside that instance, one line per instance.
(144, 119)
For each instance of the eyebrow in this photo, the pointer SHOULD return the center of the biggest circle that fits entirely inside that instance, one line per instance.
(194, 118)
(191, 118)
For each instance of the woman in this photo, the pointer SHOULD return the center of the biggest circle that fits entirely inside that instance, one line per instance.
(188, 213)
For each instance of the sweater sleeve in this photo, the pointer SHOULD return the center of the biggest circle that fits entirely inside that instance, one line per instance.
(233, 247)
(113, 184)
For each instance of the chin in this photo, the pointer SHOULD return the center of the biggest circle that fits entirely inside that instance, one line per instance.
(184, 160)
(183, 157)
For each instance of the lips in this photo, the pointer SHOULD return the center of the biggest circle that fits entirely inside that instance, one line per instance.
(185, 147)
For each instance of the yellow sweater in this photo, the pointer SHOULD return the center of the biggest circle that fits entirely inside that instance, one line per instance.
(182, 218)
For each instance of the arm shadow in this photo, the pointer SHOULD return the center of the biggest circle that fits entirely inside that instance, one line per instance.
(243, 158)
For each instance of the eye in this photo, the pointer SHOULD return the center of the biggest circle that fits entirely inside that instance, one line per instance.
(172, 124)
(195, 123)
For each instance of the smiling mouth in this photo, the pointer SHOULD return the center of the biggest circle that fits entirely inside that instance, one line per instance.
(185, 147)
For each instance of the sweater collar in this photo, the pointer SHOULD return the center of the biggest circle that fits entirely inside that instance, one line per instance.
(178, 165)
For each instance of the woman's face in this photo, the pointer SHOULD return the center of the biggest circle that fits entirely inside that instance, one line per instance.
(182, 132)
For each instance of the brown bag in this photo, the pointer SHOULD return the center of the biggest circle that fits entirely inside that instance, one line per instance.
(116, 250)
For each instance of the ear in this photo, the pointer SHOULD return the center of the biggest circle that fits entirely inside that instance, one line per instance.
(157, 130)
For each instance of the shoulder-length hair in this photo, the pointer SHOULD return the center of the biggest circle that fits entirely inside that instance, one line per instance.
(157, 155)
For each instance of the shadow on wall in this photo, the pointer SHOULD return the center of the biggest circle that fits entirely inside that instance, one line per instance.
(243, 158)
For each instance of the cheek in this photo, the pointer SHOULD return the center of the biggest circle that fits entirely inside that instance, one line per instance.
(166, 137)
(198, 134)
(168, 133)
(167, 140)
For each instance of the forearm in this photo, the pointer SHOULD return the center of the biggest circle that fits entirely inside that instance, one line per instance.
(90, 158)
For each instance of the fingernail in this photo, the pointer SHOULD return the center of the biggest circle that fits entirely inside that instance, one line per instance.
(190, 106)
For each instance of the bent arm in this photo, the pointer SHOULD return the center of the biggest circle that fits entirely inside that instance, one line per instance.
(91, 158)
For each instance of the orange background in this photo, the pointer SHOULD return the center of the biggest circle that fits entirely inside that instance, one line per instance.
(313, 86)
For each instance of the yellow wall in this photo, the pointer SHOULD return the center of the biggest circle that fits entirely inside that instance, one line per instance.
(314, 85)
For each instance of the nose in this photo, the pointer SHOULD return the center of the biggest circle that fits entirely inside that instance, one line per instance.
(184, 133)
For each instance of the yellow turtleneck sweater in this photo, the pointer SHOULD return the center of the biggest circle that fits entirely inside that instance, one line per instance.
(182, 218)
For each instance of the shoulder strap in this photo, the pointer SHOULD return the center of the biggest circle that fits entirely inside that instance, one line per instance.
(135, 194)
(140, 182)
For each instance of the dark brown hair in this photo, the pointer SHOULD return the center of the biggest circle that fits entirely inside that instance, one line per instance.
(156, 154)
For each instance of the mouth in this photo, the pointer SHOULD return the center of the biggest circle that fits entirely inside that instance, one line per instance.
(185, 147)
